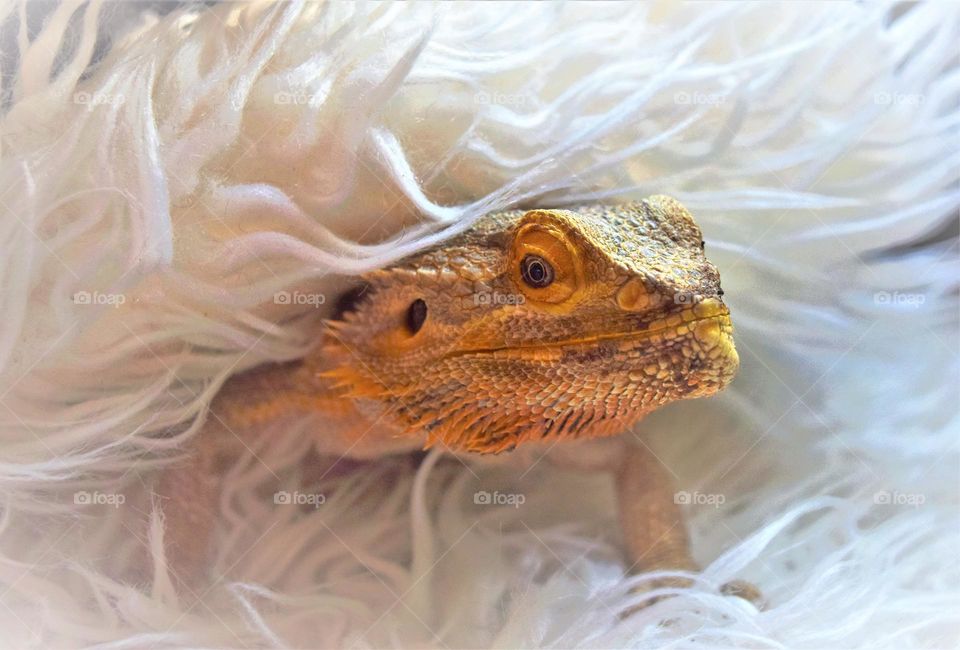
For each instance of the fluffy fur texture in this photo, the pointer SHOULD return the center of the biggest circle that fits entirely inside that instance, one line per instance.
(161, 182)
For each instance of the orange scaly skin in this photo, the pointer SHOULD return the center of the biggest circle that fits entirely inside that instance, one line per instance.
(531, 327)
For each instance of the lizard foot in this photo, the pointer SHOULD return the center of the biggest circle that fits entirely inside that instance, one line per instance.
(734, 588)
(651, 586)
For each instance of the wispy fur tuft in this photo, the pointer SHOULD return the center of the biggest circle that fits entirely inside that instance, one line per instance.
(164, 185)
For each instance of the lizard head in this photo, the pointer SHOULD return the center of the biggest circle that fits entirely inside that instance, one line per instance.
(537, 325)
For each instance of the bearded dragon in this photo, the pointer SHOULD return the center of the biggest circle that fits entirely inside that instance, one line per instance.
(533, 327)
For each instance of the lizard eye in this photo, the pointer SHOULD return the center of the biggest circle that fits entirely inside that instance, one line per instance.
(545, 261)
(416, 315)
(536, 271)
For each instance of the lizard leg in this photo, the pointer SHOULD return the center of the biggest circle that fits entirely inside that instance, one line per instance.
(654, 531)
(653, 528)
(189, 494)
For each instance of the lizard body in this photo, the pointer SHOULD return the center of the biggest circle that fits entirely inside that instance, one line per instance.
(532, 326)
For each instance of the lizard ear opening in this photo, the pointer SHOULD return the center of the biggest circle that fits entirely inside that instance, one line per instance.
(416, 315)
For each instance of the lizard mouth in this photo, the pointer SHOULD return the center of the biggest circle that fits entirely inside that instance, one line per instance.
(708, 328)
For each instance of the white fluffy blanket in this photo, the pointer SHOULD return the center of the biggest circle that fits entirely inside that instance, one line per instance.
(163, 177)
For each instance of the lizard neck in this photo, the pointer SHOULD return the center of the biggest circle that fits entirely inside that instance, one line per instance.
(283, 393)
(276, 391)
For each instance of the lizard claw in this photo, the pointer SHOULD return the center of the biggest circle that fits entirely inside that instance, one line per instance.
(745, 590)
(735, 588)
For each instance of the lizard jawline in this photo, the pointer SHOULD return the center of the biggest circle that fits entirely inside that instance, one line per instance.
(518, 350)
